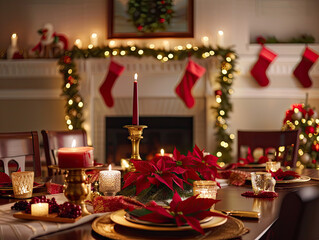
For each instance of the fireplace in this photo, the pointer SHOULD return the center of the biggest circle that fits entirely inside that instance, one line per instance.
(162, 132)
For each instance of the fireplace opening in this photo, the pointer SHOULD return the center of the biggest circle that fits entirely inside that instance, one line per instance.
(162, 132)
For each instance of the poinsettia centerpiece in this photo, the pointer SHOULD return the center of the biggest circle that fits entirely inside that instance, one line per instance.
(160, 177)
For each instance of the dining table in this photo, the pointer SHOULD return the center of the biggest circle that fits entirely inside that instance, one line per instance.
(230, 199)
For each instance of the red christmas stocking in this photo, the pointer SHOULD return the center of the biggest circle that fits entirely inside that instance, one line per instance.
(301, 72)
(115, 70)
(192, 74)
(259, 70)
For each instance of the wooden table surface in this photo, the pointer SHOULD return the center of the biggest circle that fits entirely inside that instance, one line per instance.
(231, 199)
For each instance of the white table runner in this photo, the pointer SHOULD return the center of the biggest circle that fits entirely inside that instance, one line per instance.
(12, 228)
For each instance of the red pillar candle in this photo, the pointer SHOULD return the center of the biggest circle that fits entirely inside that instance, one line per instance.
(75, 157)
(135, 120)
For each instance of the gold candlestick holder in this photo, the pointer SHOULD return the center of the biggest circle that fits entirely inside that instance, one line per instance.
(75, 186)
(135, 135)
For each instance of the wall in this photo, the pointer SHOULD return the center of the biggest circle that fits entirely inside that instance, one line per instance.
(241, 21)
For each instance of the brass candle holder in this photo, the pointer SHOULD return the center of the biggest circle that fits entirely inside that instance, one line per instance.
(75, 188)
(135, 135)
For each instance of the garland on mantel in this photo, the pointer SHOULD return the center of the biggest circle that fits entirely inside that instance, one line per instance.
(222, 107)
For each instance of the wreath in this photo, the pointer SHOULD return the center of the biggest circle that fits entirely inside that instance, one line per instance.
(150, 16)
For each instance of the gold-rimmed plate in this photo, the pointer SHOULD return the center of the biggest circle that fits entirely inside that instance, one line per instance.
(295, 180)
(131, 218)
(119, 218)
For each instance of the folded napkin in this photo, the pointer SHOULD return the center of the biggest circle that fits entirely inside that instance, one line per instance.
(262, 194)
(54, 188)
(284, 175)
(235, 177)
(113, 203)
(5, 180)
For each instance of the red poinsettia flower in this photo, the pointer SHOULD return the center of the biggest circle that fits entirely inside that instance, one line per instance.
(162, 20)
(188, 164)
(206, 164)
(153, 172)
(281, 175)
(191, 211)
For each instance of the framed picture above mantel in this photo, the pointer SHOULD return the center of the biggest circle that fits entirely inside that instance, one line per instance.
(150, 19)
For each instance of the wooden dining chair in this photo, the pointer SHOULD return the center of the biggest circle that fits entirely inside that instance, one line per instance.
(53, 140)
(298, 217)
(20, 149)
(282, 144)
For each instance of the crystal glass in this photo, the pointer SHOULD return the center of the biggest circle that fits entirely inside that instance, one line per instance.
(272, 166)
(22, 183)
(262, 181)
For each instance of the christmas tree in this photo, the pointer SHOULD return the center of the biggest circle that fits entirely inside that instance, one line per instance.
(304, 117)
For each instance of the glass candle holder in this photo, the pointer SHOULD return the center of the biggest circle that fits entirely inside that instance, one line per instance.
(22, 183)
(272, 166)
(262, 181)
(110, 182)
(205, 189)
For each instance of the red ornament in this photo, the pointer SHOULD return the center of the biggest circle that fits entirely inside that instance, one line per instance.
(162, 20)
(218, 92)
(70, 79)
(315, 147)
(169, 11)
(314, 161)
(140, 28)
(309, 129)
(66, 59)
(163, 2)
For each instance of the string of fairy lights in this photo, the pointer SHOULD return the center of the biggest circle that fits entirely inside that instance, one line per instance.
(222, 107)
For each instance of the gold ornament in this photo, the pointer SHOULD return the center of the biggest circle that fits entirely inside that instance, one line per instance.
(305, 158)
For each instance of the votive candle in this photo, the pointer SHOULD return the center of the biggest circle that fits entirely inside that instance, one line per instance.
(110, 181)
(135, 120)
(39, 209)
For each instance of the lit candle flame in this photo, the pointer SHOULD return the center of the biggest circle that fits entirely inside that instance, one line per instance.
(110, 167)
(135, 77)
(162, 152)
(14, 35)
(73, 143)
(220, 32)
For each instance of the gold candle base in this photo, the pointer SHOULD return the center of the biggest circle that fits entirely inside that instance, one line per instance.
(135, 135)
(76, 190)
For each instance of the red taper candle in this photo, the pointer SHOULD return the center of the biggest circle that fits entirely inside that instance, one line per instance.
(135, 120)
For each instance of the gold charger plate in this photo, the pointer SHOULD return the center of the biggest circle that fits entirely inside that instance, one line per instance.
(132, 219)
(104, 226)
(296, 180)
(119, 218)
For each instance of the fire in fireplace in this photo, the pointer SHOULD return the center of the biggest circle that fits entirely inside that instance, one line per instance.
(162, 133)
